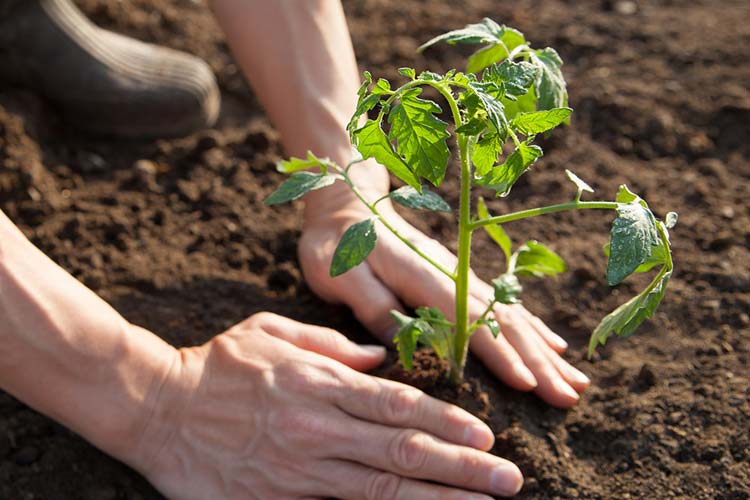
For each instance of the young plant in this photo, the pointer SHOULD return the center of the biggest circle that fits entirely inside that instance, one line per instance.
(521, 93)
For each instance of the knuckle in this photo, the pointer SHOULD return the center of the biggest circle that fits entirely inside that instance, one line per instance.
(332, 339)
(382, 486)
(261, 319)
(537, 362)
(400, 405)
(408, 450)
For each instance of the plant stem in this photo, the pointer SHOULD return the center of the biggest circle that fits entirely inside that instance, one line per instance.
(462, 270)
(392, 229)
(533, 212)
(478, 321)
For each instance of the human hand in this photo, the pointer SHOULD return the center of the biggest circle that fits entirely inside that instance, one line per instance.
(525, 355)
(274, 408)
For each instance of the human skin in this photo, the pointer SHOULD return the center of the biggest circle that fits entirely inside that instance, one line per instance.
(271, 408)
(298, 57)
(221, 420)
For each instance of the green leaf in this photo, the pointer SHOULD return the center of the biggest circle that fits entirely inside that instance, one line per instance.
(406, 338)
(430, 76)
(551, 91)
(540, 121)
(502, 178)
(363, 107)
(491, 54)
(625, 195)
(427, 200)
(516, 77)
(371, 142)
(535, 260)
(365, 102)
(486, 56)
(624, 320)
(407, 72)
(496, 232)
(297, 185)
(485, 152)
(474, 126)
(296, 164)
(491, 104)
(421, 136)
(439, 335)
(355, 245)
(487, 31)
(492, 324)
(523, 104)
(670, 220)
(633, 238)
(431, 328)
(382, 87)
(658, 257)
(580, 183)
(507, 288)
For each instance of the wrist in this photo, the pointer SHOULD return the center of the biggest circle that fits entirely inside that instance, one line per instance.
(129, 404)
(370, 178)
(165, 411)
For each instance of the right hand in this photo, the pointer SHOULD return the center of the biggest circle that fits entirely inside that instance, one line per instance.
(274, 408)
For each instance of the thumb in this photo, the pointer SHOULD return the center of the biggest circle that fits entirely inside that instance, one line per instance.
(324, 341)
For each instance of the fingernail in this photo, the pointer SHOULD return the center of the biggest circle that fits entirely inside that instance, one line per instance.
(478, 497)
(559, 341)
(478, 436)
(506, 480)
(564, 388)
(580, 377)
(378, 350)
(525, 374)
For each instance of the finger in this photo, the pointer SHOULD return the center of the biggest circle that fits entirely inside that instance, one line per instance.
(395, 404)
(414, 281)
(356, 482)
(370, 300)
(552, 387)
(324, 341)
(418, 455)
(576, 378)
(556, 342)
(499, 356)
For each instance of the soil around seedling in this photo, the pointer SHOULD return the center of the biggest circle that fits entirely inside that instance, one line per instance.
(173, 233)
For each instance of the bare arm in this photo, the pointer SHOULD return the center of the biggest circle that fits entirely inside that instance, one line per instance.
(298, 56)
(67, 353)
(215, 421)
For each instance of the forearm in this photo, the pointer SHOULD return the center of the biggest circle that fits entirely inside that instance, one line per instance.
(66, 353)
(298, 57)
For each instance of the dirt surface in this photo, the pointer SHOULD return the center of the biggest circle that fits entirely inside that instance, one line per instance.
(173, 233)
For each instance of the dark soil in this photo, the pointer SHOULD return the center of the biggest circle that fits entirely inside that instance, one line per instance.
(173, 233)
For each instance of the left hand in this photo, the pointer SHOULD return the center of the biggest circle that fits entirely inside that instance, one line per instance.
(525, 355)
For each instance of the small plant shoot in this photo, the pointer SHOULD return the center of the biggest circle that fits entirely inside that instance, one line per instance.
(509, 94)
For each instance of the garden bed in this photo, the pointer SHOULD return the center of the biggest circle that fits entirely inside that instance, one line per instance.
(173, 233)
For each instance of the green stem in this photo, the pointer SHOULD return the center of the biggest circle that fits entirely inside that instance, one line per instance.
(533, 212)
(464, 263)
(478, 321)
(392, 229)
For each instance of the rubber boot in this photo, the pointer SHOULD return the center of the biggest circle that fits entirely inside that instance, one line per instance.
(100, 81)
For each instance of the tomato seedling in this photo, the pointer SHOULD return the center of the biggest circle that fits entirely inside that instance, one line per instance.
(521, 93)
